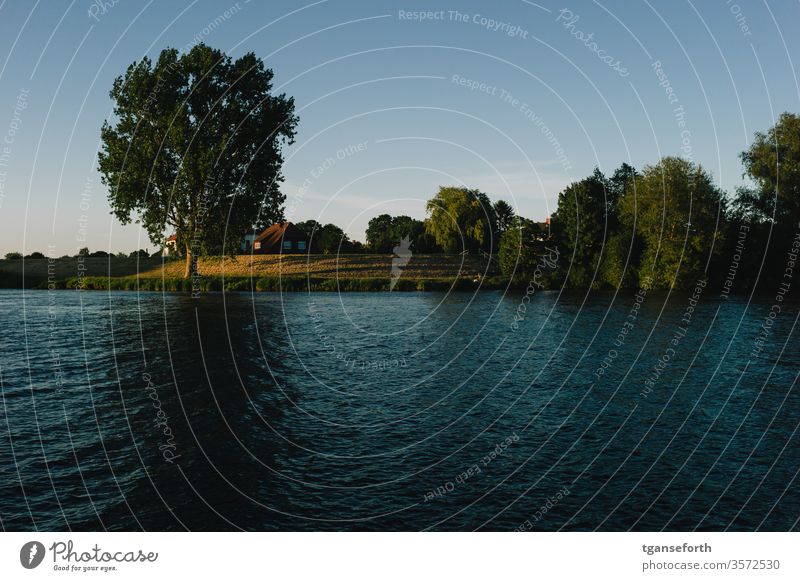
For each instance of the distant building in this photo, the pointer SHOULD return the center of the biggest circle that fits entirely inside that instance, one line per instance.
(170, 246)
(544, 230)
(280, 238)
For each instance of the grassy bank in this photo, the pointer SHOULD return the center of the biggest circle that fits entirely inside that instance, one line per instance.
(270, 284)
(362, 272)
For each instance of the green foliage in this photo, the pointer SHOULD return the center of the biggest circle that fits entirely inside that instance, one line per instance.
(598, 241)
(260, 284)
(680, 218)
(584, 215)
(83, 251)
(379, 234)
(619, 267)
(309, 226)
(520, 248)
(330, 239)
(433, 285)
(620, 184)
(461, 219)
(766, 215)
(621, 254)
(384, 232)
(504, 216)
(773, 163)
(407, 227)
(196, 148)
(13, 256)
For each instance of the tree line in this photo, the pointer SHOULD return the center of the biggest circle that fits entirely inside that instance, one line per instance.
(664, 226)
(196, 148)
(669, 225)
(82, 253)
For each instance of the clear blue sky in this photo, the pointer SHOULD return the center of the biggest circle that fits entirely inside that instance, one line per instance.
(368, 73)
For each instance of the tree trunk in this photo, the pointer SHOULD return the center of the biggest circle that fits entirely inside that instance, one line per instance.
(191, 263)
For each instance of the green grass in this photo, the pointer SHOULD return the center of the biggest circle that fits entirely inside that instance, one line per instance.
(345, 273)
(366, 272)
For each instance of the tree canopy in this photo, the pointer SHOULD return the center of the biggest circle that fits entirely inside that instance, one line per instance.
(773, 163)
(379, 234)
(504, 216)
(583, 217)
(679, 215)
(520, 247)
(196, 147)
(384, 232)
(329, 238)
(461, 219)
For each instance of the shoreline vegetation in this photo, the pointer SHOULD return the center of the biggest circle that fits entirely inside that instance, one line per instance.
(283, 273)
(664, 226)
(287, 273)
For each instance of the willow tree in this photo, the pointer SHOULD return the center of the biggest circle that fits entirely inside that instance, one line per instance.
(196, 148)
(461, 219)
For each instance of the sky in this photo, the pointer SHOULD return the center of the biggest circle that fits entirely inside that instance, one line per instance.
(515, 98)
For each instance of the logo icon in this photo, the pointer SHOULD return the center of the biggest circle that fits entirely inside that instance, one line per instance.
(31, 554)
(401, 255)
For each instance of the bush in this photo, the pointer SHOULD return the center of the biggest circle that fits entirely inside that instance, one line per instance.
(13, 256)
(433, 285)
(405, 285)
(520, 247)
(239, 284)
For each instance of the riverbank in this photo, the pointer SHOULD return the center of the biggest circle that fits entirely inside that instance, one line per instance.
(360, 272)
(270, 284)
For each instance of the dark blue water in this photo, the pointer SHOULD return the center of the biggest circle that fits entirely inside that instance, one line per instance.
(396, 412)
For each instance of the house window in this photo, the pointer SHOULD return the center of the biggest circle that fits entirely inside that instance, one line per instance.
(287, 244)
(301, 244)
(257, 245)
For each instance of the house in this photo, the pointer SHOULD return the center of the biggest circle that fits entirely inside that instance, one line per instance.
(281, 238)
(247, 243)
(544, 230)
(170, 246)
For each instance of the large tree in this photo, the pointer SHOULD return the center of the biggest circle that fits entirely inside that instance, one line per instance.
(379, 234)
(309, 226)
(773, 163)
(623, 247)
(504, 216)
(330, 239)
(766, 212)
(461, 219)
(196, 148)
(680, 217)
(384, 232)
(521, 247)
(584, 216)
